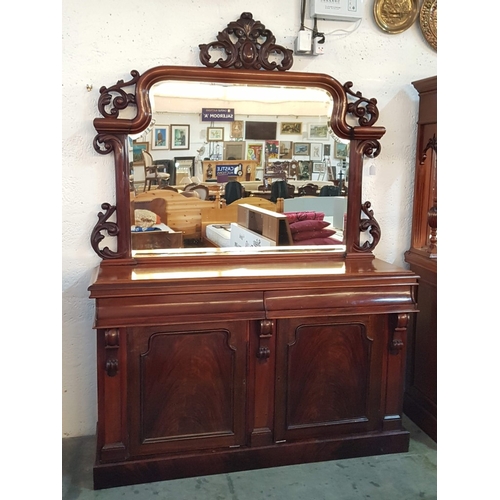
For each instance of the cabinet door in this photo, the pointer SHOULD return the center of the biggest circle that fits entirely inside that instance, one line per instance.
(187, 386)
(328, 376)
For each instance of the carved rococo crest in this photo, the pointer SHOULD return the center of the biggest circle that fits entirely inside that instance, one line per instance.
(364, 109)
(248, 51)
(370, 224)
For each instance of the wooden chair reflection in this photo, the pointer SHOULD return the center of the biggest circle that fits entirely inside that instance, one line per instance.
(151, 173)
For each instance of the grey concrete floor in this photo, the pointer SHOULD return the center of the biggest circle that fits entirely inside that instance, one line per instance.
(400, 476)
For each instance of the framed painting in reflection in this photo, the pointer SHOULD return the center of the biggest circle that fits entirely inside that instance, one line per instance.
(319, 167)
(237, 129)
(137, 149)
(294, 128)
(286, 150)
(317, 131)
(341, 150)
(316, 151)
(301, 148)
(234, 150)
(254, 152)
(215, 134)
(179, 136)
(159, 137)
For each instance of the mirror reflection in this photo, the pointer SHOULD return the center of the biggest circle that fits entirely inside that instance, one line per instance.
(235, 166)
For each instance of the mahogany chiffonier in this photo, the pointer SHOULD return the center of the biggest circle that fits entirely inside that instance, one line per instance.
(213, 360)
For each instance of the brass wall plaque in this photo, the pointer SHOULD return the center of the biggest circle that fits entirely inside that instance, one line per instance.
(428, 22)
(395, 16)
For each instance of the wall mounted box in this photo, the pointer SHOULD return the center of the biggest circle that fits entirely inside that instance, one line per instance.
(336, 10)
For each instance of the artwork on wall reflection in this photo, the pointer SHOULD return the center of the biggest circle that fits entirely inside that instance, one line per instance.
(272, 149)
(179, 136)
(341, 150)
(254, 152)
(286, 150)
(234, 150)
(319, 167)
(291, 128)
(327, 149)
(215, 134)
(301, 148)
(137, 149)
(317, 131)
(159, 137)
(316, 151)
(237, 129)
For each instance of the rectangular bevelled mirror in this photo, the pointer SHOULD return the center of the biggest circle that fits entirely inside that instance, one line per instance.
(192, 202)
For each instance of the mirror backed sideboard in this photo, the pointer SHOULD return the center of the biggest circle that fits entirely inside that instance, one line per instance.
(215, 359)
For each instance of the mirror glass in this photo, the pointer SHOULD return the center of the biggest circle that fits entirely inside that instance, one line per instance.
(208, 140)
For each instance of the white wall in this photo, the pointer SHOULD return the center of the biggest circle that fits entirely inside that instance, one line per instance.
(104, 40)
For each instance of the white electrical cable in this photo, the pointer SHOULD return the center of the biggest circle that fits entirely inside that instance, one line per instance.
(346, 32)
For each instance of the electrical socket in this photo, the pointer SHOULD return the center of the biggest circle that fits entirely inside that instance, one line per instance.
(318, 47)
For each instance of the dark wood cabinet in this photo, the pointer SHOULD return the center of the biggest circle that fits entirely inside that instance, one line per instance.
(420, 400)
(273, 368)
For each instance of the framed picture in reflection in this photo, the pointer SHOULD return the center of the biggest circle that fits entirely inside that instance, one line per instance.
(159, 137)
(179, 136)
(316, 151)
(341, 150)
(317, 131)
(215, 134)
(301, 149)
(294, 128)
(286, 150)
(137, 149)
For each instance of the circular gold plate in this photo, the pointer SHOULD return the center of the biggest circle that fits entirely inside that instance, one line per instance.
(428, 22)
(395, 16)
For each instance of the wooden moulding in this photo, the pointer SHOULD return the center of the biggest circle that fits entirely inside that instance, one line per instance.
(218, 462)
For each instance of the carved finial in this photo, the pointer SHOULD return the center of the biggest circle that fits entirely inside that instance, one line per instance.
(248, 45)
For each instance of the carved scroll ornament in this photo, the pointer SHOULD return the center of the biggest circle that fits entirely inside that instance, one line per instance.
(111, 228)
(243, 45)
(371, 225)
(364, 109)
(121, 98)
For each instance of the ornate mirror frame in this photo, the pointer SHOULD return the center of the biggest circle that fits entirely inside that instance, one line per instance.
(249, 49)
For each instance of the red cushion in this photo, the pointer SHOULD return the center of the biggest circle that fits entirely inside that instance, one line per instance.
(307, 235)
(307, 225)
(317, 241)
(309, 215)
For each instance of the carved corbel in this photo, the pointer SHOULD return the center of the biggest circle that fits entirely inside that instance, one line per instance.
(111, 346)
(266, 332)
(371, 225)
(398, 334)
(110, 227)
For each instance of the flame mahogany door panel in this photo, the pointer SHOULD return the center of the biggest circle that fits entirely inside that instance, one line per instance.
(187, 387)
(329, 373)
